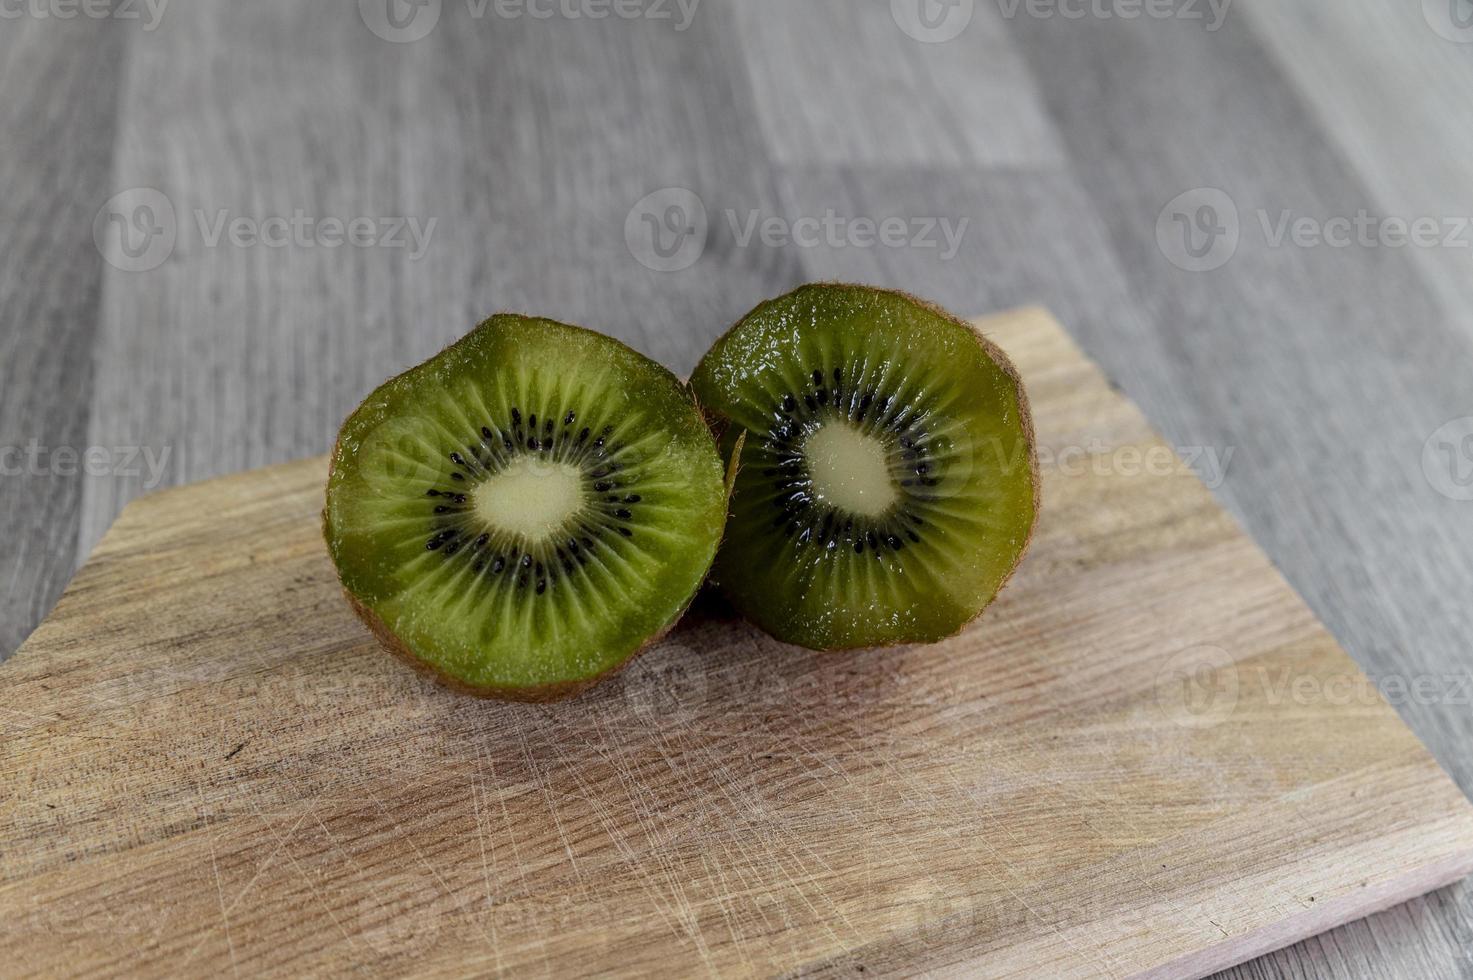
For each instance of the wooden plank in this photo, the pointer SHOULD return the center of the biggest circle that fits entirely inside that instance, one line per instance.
(1385, 80)
(210, 766)
(243, 356)
(49, 289)
(891, 98)
(1328, 369)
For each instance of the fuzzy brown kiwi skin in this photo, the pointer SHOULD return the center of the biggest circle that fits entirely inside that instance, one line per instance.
(539, 694)
(1025, 415)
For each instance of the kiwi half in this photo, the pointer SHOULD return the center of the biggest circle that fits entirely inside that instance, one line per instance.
(888, 484)
(528, 509)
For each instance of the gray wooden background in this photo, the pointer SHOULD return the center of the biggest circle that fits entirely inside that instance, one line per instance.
(1339, 375)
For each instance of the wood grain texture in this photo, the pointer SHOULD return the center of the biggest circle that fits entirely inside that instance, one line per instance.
(1385, 88)
(465, 133)
(887, 100)
(1272, 345)
(49, 293)
(1135, 765)
(531, 140)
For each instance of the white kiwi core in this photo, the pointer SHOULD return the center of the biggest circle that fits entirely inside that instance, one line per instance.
(850, 469)
(531, 497)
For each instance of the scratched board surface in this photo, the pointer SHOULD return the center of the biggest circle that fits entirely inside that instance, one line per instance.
(1149, 757)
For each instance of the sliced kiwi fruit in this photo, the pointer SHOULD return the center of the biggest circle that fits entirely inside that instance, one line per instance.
(525, 511)
(888, 483)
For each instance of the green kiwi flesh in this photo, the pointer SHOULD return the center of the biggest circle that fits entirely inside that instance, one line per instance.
(888, 484)
(524, 512)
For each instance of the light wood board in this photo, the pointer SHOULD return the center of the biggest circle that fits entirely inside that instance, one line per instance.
(1149, 758)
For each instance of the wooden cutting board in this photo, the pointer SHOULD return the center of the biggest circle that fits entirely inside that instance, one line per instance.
(1148, 758)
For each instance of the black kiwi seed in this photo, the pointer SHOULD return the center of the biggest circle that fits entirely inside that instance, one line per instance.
(795, 507)
(539, 565)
